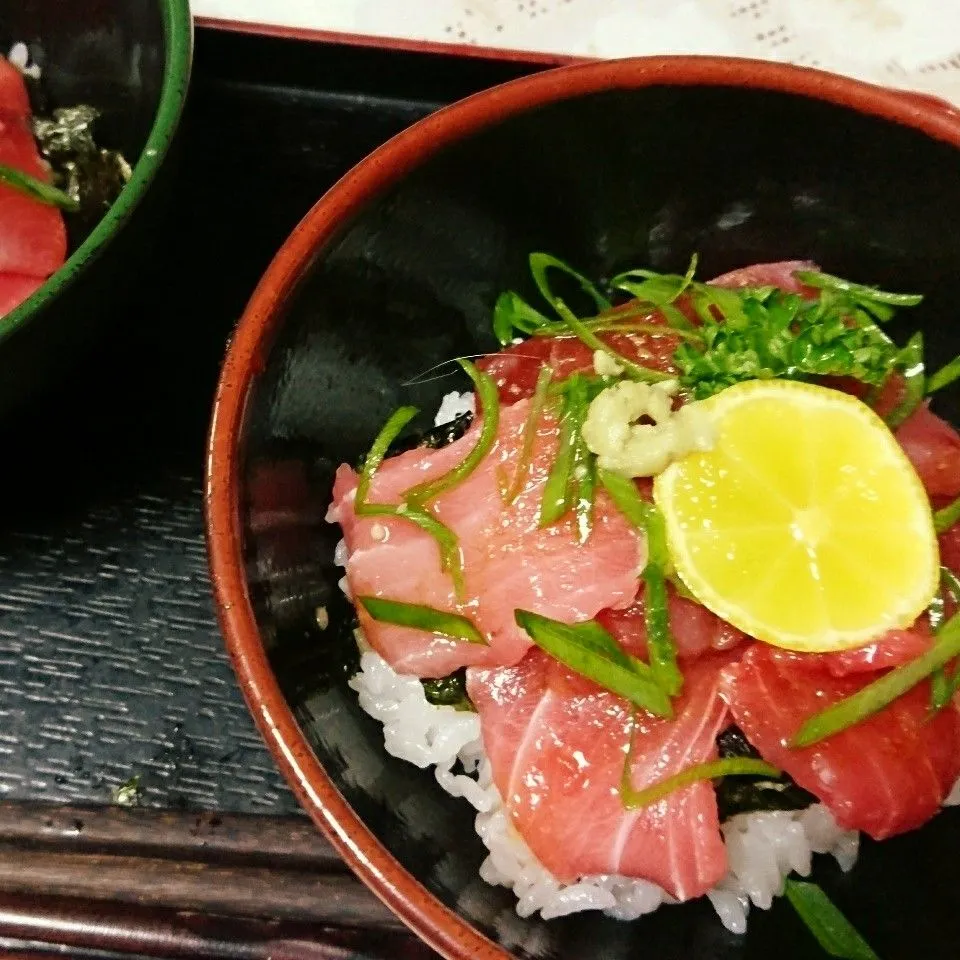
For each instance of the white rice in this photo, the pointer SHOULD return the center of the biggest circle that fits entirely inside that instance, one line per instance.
(762, 848)
(454, 405)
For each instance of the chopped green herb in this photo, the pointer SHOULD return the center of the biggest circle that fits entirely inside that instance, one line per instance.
(420, 617)
(490, 408)
(590, 651)
(537, 404)
(943, 685)
(944, 519)
(910, 362)
(882, 692)
(634, 799)
(832, 930)
(623, 491)
(944, 376)
(36, 189)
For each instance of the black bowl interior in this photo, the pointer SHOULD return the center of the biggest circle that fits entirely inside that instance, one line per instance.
(606, 181)
(106, 54)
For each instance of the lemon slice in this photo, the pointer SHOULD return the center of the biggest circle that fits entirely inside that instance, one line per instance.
(805, 526)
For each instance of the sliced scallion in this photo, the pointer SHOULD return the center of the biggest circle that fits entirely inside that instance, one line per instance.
(826, 281)
(36, 189)
(882, 692)
(421, 617)
(388, 433)
(560, 490)
(634, 799)
(832, 930)
(490, 409)
(947, 517)
(644, 516)
(944, 376)
(589, 650)
(537, 404)
(542, 263)
(512, 313)
(910, 362)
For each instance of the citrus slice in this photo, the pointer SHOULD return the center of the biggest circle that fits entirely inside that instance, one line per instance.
(805, 525)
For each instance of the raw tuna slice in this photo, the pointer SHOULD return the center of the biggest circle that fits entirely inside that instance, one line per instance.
(13, 91)
(695, 629)
(933, 447)
(556, 743)
(33, 237)
(508, 561)
(515, 369)
(950, 549)
(14, 289)
(884, 776)
(894, 648)
(779, 274)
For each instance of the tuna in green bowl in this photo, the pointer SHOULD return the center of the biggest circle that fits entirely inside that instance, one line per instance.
(105, 83)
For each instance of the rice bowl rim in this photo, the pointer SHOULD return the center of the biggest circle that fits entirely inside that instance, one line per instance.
(450, 934)
(178, 58)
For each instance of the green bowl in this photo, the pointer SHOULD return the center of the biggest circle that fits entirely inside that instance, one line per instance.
(131, 60)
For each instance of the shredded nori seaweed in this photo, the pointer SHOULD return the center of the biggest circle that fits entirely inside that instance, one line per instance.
(752, 794)
(449, 691)
(90, 174)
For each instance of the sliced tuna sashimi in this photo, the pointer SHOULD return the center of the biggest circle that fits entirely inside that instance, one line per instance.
(885, 776)
(694, 628)
(933, 447)
(14, 289)
(893, 649)
(13, 91)
(515, 369)
(778, 274)
(33, 236)
(950, 549)
(508, 561)
(556, 744)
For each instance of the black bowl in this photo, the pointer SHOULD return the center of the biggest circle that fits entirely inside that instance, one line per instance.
(130, 59)
(396, 269)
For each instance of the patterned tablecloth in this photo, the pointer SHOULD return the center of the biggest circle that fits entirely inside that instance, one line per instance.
(908, 43)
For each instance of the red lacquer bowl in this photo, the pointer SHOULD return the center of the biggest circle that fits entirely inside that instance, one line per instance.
(396, 268)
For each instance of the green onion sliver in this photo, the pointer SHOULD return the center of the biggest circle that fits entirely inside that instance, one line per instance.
(561, 488)
(944, 519)
(537, 403)
(634, 370)
(420, 617)
(540, 263)
(826, 281)
(910, 361)
(944, 376)
(490, 410)
(511, 313)
(388, 433)
(589, 650)
(832, 930)
(36, 189)
(879, 694)
(634, 799)
(644, 516)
